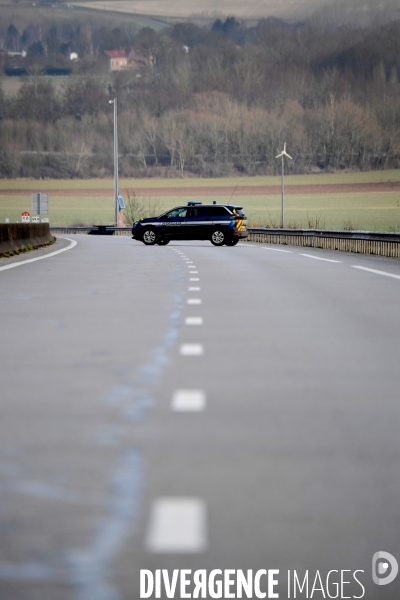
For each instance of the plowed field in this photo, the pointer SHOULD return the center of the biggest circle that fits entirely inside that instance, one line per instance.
(207, 191)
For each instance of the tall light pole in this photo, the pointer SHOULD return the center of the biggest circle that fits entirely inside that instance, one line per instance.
(282, 155)
(116, 184)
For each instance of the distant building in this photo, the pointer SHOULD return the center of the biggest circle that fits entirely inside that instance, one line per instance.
(72, 56)
(18, 54)
(117, 60)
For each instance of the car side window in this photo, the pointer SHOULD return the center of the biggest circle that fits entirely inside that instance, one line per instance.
(218, 211)
(199, 211)
(177, 213)
(210, 211)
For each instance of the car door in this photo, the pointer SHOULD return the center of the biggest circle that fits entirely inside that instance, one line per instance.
(198, 223)
(220, 216)
(174, 223)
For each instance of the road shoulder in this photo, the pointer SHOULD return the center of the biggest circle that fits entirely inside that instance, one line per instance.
(59, 244)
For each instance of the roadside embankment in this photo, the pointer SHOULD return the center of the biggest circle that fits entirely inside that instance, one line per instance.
(21, 237)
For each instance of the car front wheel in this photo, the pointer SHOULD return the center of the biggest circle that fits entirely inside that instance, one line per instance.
(149, 237)
(218, 237)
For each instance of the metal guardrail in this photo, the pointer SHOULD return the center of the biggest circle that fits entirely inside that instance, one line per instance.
(93, 230)
(362, 242)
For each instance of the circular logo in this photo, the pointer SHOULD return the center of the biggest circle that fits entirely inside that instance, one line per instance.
(381, 573)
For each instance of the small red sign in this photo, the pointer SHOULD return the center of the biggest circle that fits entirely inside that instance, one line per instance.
(25, 214)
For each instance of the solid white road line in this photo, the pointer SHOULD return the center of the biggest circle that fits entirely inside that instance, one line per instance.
(191, 350)
(31, 260)
(277, 250)
(319, 258)
(194, 289)
(194, 321)
(193, 301)
(188, 401)
(377, 272)
(177, 525)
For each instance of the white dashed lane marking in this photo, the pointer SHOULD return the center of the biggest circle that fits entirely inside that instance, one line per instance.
(193, 272)
(377, 272)
(194, 321)
(319, 258)
(194, 301)
(194, 289)
(278, 250)
(191, 350)
(177, 525)
(188, 401)
(194, 279)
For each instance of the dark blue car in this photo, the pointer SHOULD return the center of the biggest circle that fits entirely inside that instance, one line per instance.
(219, 223)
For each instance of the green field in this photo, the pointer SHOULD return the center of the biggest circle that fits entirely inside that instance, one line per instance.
(12, 85)
(374, 211)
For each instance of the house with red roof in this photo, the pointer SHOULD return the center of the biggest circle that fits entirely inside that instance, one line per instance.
(117, 60)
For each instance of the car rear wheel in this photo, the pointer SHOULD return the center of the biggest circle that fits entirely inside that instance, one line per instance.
(149, 237)
(218, 237)
(163, 242)
(232, 242)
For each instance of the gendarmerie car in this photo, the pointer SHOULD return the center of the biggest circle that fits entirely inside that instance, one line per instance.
(219, 223)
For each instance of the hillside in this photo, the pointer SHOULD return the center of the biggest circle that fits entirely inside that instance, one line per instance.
(202, 100)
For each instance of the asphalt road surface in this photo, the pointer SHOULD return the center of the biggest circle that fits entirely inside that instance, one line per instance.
(193, 407)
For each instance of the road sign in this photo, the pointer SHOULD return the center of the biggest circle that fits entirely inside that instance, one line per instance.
(35, 219)
(25, 217)
(40, 204)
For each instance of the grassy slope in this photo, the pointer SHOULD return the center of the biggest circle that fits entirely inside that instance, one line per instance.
(198, 9)
(334, 11)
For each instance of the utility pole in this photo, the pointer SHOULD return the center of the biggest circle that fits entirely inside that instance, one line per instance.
(116, 183)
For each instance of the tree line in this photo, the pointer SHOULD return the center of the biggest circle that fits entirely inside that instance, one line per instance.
(213, 101)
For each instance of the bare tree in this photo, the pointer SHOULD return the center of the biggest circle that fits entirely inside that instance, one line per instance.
(140, 208)
(74, 158)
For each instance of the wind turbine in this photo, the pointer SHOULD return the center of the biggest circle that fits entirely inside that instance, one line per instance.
(283, 155)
